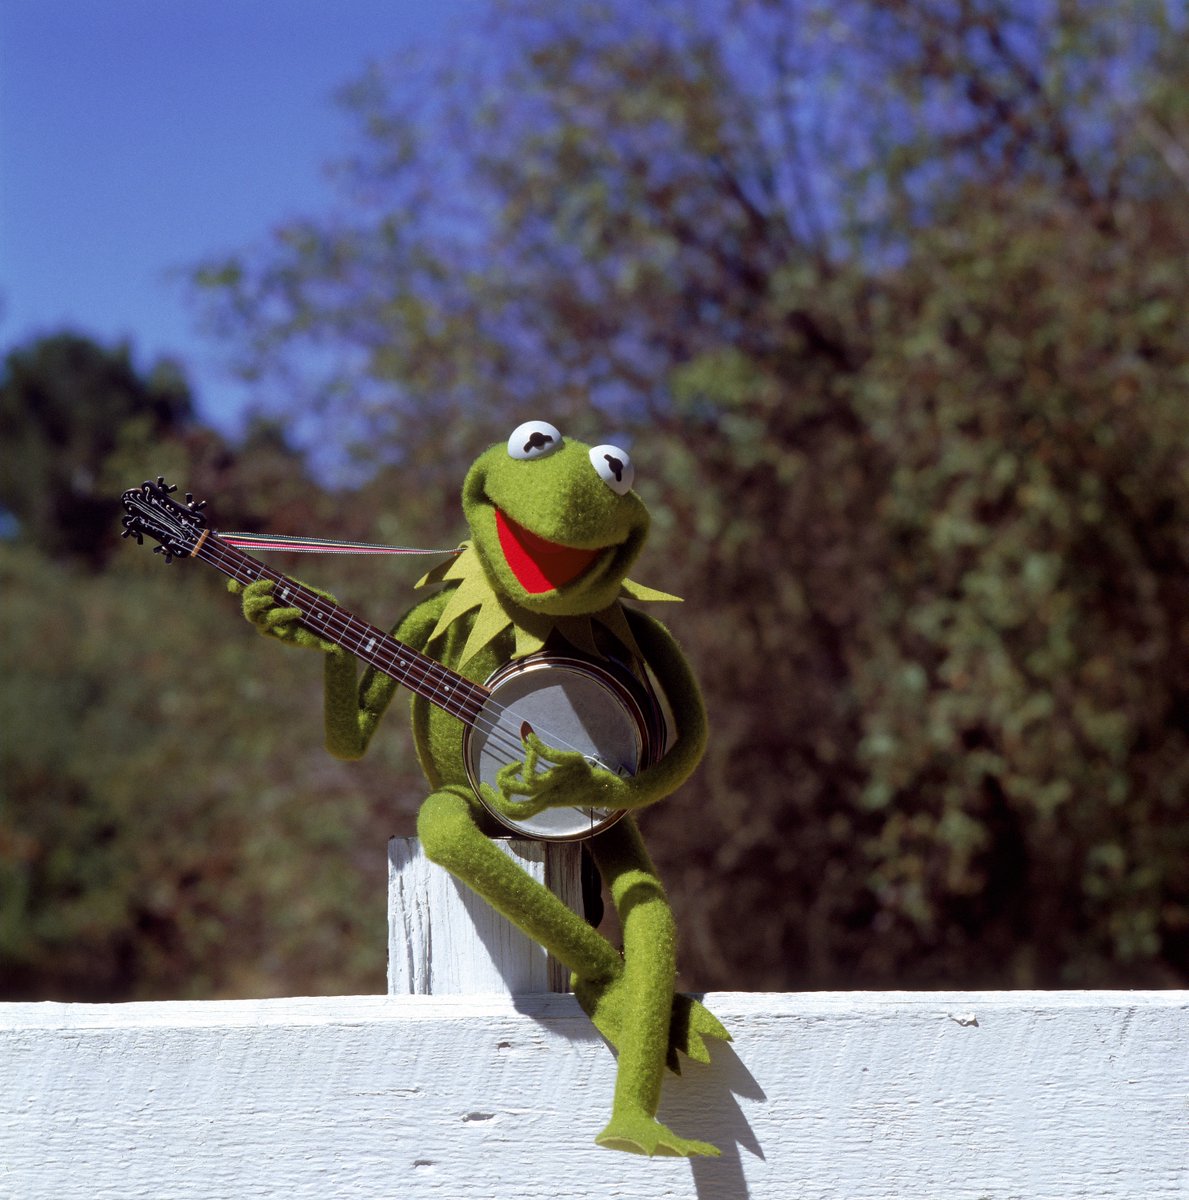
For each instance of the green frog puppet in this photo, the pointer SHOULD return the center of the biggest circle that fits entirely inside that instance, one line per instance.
(555, 527)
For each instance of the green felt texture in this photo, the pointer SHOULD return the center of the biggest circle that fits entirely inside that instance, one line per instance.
(522, 794)
(495, 613)
(353, 709)
(275, 620)
(637, 591)
(560, 498)
(628, 996)
(634, 1008)
(492, 612)
(480, 620)
(448, 826)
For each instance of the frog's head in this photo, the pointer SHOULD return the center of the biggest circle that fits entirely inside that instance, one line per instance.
(555, 522)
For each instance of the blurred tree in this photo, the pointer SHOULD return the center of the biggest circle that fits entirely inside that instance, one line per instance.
(159, 835)
(66, 403)
(900, 290)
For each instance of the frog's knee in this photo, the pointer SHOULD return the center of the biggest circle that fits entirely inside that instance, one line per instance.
(445, 824)
(641, 891)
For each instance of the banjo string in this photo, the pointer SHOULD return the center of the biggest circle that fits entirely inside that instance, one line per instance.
(336, 622)
(491, 719)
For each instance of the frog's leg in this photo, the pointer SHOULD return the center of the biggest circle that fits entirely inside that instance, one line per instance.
(629, 997)
(637, 1005)
(450, 836)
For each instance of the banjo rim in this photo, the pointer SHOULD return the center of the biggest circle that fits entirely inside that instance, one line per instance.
(617, 683)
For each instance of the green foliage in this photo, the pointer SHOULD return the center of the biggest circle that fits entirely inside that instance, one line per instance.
(169, 824)
(1023, 682)
(891, 298)
(895, 294)
(65, 405)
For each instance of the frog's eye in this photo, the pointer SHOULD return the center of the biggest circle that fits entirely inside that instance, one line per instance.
(534, 439)
(614, 468)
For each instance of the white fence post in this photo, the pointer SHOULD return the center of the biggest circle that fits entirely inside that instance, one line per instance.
(444, 940)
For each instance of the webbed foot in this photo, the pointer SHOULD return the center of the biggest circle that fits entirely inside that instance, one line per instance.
(690, 1024)
(638, 1133)
(608, 1004)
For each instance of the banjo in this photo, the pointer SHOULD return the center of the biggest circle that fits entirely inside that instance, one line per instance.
(600, 710)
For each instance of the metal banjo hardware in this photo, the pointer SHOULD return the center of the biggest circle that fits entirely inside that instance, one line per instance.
(572, 704)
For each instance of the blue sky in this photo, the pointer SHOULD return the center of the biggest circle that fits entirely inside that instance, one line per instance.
(141, 136)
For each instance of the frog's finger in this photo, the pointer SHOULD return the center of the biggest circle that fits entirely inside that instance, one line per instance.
(690, 1025)
(517, 779)
(514, 810)
(274, 619)
(539, 750)
(257, 601)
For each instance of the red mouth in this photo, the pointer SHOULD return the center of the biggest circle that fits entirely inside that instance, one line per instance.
(539, 564)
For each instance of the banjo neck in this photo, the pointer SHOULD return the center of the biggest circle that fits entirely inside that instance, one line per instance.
(586, 708)
(425, 676)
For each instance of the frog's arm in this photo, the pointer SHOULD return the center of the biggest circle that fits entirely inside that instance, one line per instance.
(669, 665)
(352, 711)
(664, 658)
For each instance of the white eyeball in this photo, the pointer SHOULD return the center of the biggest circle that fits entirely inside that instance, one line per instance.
(534, 439)
(614, 468)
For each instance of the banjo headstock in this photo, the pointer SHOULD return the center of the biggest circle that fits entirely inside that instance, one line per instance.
(178, 529)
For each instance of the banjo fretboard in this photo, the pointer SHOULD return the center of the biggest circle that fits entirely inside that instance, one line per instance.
(421, 674)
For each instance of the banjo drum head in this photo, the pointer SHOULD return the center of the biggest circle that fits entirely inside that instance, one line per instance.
(569, 705)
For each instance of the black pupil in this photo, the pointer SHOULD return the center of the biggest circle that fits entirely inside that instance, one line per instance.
(537, 440)
(616, 466)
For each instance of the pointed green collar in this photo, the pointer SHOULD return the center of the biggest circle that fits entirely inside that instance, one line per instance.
(497, 613)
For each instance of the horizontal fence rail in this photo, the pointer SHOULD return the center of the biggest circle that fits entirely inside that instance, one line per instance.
(822, 1095)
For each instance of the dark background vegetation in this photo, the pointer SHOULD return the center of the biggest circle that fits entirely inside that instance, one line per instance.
(889, 298)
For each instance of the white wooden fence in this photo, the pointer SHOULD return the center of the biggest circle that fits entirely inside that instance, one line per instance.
(961, 1096)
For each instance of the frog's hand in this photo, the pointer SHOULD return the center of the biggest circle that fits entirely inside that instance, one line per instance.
(518, 779)
(275, 620)
(503, 805)
(571, 780)
(549, 778)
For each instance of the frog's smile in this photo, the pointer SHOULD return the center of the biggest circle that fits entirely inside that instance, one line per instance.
(539, 564)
